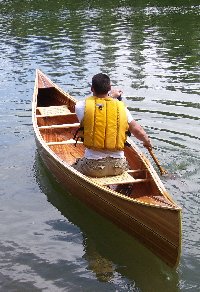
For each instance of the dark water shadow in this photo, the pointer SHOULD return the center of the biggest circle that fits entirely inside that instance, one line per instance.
(108, 250)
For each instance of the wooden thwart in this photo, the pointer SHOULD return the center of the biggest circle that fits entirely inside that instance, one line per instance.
(70, 141)
(124, 178)
(60, 126)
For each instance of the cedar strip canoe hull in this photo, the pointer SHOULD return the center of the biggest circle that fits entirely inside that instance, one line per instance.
(157, 226)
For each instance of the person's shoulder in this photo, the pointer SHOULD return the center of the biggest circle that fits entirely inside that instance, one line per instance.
(80, 103)
(129, 115)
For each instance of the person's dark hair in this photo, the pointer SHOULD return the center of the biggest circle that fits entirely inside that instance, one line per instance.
(101, 83)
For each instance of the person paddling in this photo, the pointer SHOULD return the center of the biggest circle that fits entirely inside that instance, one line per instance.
(105, 124)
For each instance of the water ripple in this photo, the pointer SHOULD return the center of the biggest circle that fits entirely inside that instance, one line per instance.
(151, 52)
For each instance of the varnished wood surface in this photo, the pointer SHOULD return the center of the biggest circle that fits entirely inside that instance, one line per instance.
(143, 209)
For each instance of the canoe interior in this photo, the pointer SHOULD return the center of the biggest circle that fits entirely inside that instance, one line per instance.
(144, 189)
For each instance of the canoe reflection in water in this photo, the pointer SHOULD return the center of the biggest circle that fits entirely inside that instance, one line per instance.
(109, 252)
(101, 266)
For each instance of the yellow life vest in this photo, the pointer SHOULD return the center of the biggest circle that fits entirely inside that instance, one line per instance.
(105, 124)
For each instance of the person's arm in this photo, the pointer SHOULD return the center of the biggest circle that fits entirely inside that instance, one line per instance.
(134, 127)
(140, 133)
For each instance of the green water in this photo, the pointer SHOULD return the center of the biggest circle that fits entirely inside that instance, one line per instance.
(150, 49)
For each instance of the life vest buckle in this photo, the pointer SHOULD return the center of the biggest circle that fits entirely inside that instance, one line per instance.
(100, 106)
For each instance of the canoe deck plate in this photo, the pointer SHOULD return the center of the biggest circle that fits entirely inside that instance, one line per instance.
(54, 110)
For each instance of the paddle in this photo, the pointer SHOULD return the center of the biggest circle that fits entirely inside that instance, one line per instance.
(162, 171)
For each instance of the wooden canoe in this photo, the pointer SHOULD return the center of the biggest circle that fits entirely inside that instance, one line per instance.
(136, 201)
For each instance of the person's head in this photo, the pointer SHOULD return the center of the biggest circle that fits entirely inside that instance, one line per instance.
(100, 84)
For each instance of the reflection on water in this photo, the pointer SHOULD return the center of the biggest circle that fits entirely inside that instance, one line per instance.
(110, 253)
(150, 49)
(147, 46)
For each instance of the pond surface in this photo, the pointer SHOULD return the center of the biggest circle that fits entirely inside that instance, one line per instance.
(49, 240)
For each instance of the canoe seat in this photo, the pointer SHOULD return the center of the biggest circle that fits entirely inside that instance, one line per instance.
(51, 111)
(124, 178)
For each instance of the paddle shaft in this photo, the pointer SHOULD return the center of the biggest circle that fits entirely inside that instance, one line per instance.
(162, 171)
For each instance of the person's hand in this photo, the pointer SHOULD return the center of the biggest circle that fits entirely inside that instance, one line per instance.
(115, 93)
(147, 144)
